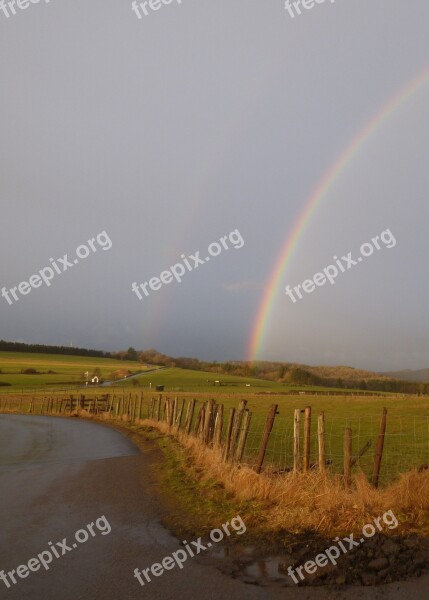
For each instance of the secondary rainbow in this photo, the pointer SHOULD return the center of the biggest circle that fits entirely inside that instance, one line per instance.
(262, 319)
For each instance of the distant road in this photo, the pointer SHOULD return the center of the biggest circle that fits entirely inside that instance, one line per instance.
(57, 475)
(139, 374)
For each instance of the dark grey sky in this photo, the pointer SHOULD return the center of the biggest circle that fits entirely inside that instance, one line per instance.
(171, 131)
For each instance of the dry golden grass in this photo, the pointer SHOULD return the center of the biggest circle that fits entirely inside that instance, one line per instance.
(302, 502)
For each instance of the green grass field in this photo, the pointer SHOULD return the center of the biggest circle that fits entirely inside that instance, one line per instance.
(407, 438)
(406, 441)
(186, 380)
(66, 370)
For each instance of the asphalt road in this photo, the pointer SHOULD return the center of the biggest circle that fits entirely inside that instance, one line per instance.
(59, 475)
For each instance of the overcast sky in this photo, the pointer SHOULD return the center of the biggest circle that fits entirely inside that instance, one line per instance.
(171, 131)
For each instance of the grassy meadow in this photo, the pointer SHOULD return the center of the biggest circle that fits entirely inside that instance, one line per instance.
(406, 441)
(56, 370)
(407, 436)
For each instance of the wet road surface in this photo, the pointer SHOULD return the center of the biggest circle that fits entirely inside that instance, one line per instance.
(59, 475)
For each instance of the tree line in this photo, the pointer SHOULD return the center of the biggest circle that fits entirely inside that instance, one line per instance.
(271, 371)
(41, 349)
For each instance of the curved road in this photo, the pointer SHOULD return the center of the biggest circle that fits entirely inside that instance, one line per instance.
(58, 475)
(139, 374)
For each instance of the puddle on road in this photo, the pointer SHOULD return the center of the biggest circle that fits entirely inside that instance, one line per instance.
(268, 568)
(244, 563)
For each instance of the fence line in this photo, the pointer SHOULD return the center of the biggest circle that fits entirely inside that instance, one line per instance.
(382, 445)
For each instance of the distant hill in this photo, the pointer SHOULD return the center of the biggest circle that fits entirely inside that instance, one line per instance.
(343, 372)
(420, 375)
(292, 374)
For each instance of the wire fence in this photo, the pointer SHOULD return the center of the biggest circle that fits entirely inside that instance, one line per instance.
(296, 440)
(405, 444)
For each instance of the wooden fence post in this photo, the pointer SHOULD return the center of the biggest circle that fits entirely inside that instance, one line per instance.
(348, 440)
(307, 438)
(379, 450)
(190, 415)
(296, 461)
(174, 411)
(218, 426)
(321, 438)
(187, 416)
(198, 421)
(243, 436)
(167, 411)
(265, 437)
(200, 429)
(228, 434)
(208, 422)
(180, 415)
(237, 425)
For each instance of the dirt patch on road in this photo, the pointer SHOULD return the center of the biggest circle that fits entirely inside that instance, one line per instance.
(379, 560)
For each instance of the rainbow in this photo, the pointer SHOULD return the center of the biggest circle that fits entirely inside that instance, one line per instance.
(265, 308)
